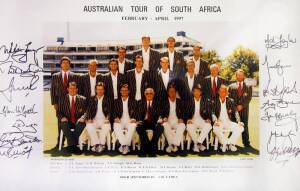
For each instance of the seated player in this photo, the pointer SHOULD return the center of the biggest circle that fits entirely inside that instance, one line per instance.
(225, 117)
(198, 118)
(173, 122)
(98, 116)
(125, 115)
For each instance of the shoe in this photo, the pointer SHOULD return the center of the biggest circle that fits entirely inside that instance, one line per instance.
(174, 148)
(224, 147)
(100, 148)
(54, 148)
(125, 150)
(94, 148)
(151, 155)
(196, 148)
(121, 148)
(76, 150)
(201, 147)
(169, 149)
(232, 148)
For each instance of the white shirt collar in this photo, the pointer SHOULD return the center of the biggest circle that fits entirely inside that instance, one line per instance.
(121, 62)
(63, 73)
(196, 100)
(188, 75)
(222, 102)
(148, 102)
(126, 100)
(144, 51)
(198, 60)
(171, 52)
(142, 71)
(70, 98)
(172, 101)
(92, 76)
(116, 75)
(165, 73)
(101, 98)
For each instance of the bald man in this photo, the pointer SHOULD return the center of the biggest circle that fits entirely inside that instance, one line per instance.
(212, 83)
(88, 81)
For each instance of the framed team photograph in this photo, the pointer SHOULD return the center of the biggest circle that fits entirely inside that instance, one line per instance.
(149, 90)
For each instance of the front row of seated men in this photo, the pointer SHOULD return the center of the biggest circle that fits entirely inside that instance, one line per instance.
(125, 116)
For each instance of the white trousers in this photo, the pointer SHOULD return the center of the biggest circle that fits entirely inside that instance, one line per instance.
(92, 131)
(124, 138)
(228, 126)
(173, 137)
(204, 130)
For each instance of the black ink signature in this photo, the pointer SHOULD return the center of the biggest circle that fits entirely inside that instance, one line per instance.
(18, 110)
(277, 103)
(30, 71)
(280, 146)
(279, 68)
(19, 142)
(18, 54)
(7, 93)
(282, 90)
(278, 42)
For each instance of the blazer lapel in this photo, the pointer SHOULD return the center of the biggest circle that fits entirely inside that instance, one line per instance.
(68, 105)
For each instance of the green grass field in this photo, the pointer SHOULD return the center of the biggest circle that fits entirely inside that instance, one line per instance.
(50, 130)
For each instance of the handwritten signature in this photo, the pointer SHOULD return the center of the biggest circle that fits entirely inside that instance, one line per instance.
(18, 110)
(279, 105)
(280, 147)
(7, 93)
(19, 54)
(278, 42)
(19, 141)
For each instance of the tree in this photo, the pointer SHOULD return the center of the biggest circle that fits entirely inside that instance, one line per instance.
(211, 56)
(241, 58)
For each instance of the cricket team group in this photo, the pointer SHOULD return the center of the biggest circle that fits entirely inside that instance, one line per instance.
(156, 92)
